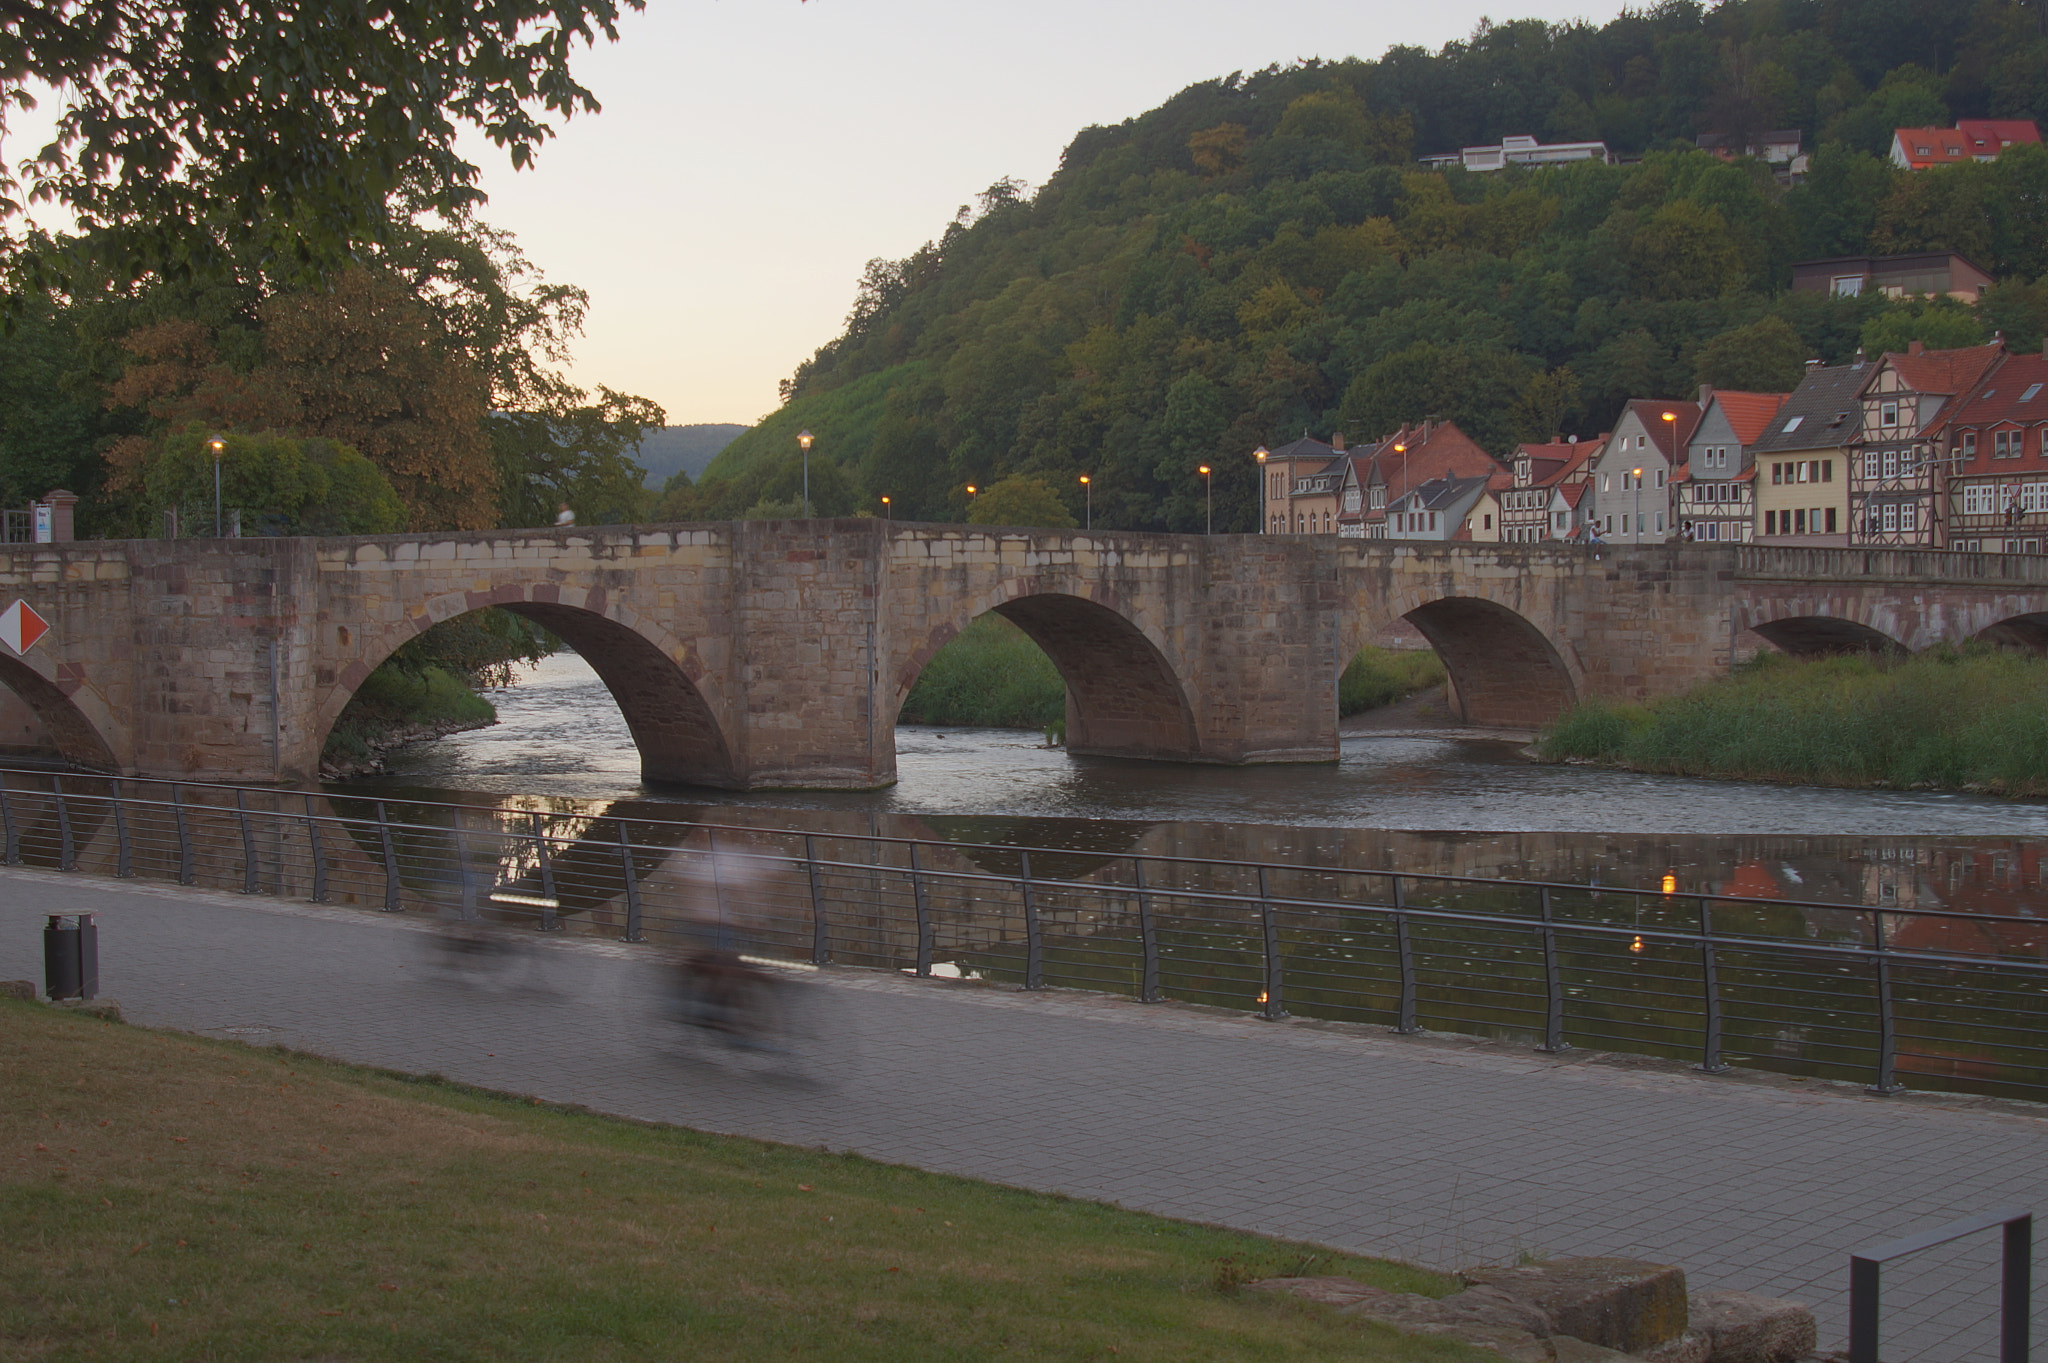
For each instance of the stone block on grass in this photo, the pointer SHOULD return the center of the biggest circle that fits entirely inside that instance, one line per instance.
(1744, 1327)
(1627, 1305)
(25, 990)
(1328, 1291)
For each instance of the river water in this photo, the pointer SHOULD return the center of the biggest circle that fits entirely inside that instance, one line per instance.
(1462, 806)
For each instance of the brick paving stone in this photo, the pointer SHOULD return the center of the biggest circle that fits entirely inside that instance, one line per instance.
(1444, 1151)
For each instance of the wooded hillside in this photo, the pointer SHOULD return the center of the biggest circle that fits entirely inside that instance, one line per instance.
(1262, 255)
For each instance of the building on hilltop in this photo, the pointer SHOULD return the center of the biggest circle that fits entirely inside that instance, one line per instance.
(1972, 139)
(1717, 495)
(1520, 150)
(1993, 444)
(1927, 272)
(1895, 481)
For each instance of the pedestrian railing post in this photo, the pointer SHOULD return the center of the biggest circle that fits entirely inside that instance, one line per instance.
(1553, 983)
(13, 852)
(549, 922)
(1863, 1312)
(248, 843)
(186, 873)
(1148, 938)
(1710, 985)
(67, 855)
(633, 928)
(124, 847)
(316, 852)
(391, 901)
(1273, 1005)
(1887, 1021)
(1405, 1022)
(466, 907)
(2016, 1291)
(1034, 946)
(923, 907)
(821, 935)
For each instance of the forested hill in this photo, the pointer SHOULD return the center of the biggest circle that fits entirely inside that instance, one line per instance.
(1263, 255)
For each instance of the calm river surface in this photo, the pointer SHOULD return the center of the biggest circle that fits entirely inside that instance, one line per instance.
(1404, 802)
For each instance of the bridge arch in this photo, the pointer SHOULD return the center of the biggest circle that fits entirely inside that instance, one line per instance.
(77, 721)
(670, 704)
(1125, 696)
(2027, 631)
(1506, 671)
(1819, 635)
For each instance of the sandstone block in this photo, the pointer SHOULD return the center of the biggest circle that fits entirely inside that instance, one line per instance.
(25, 990)
(1624, 1304)
(1743, 1327)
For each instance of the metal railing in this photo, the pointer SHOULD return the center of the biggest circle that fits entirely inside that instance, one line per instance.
(1813, 988)
(2016, 1274)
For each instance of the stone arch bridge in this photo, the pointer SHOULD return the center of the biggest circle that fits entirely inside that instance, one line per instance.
(765, 654)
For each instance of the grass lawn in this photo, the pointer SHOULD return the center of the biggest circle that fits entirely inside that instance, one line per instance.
(182, 1198)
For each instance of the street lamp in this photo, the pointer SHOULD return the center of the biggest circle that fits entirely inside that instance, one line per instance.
(1088, 492)
(885, 510)
(1671, 420)
(1265, 508)
(1209, 497)
(804, 439)
(1637, 474)
(219, 448)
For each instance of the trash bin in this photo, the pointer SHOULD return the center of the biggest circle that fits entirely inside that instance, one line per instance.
(71, 957)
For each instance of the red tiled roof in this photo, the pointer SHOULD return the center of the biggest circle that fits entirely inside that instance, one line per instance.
(1992, 134)
(1932, 146)
(1749, 414)
(1573, 493)
(1945, 371)
(2003, 397)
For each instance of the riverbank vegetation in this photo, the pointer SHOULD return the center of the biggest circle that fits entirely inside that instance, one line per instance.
(185, 1197)
(1947, 719)
(991, 676)
(395, 706)
(1381, 676)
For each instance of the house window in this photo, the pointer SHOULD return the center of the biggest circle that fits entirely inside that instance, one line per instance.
(1891, 516)
(1891, 463)
(1827, 470)
(1870, 467)
(1770, 522)
(1606, 481)
(1660, 477)
(1888, 414)
(1777, 473)
(1486, 522)
(1977, 499)
(1969, 444)
(1849, 285)
(1907, 516)
(1660, 523)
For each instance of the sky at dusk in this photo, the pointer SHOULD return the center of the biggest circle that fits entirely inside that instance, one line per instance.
(753, 155)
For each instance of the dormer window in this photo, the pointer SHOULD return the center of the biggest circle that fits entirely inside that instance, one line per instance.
(1793, 424)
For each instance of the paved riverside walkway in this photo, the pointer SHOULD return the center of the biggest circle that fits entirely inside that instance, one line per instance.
(1441, 1151)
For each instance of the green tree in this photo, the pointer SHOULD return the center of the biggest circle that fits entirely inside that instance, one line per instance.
(183, 133)
(1766, 356)
(276, 484)
(1685, 250)
(1020, 499)
(1937, 323)
(578, 456)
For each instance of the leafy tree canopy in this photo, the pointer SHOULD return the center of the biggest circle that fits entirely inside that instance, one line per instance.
(275, 484)
(1020, 499)
(183, 133)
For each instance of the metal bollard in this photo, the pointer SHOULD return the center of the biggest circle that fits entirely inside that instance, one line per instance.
(71, 957)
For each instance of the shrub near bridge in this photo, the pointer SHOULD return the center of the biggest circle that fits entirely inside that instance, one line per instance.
(1975, 718)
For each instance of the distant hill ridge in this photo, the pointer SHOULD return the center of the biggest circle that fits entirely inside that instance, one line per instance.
(683, 449)
(1263, 255)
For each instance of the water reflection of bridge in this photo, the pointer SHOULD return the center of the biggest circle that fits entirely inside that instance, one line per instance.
(1945, 982)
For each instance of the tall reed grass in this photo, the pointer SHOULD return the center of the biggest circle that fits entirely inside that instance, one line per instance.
(1948, 719)
(1381, 676)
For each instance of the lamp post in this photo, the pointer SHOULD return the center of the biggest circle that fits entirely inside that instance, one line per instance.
(1671, 421)
(885, 510)
(1208, 498)
(1265, 506)
(219, 447)
(804, 438)
(1088, 495)
(1637, 474)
